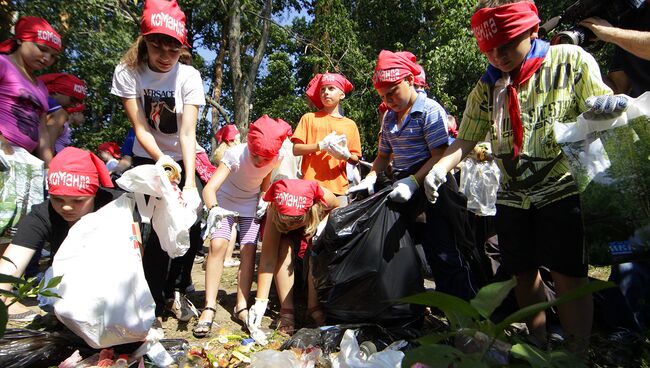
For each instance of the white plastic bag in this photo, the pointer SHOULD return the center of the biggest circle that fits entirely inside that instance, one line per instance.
(608, 158)
(275, 359)
(105, 298)
(21, 187)
(351, 357)
(171, 218)
(479, 181)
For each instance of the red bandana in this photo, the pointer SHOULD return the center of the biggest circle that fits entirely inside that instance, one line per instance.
(392, 67)
(65, 84)
(164, 17)
(293, 197)
(227, 133)
(266, 135)
(75, 108)
(33, 29)
(494, 27)
(336, 80)
(75, 172)
(110, 147)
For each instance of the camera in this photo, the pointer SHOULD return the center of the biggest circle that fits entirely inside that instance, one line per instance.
(611, 10)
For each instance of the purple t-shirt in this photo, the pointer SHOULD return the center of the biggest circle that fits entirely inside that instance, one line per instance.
(64, 140)
(21, 106)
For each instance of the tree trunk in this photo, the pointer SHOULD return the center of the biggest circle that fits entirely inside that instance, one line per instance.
(244, 84)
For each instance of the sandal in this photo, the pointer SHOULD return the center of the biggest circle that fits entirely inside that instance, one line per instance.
(236, 316)
(317, 315)
(286, 322)
(202, 329)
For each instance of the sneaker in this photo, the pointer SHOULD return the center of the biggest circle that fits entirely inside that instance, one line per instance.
(181, 307)
(199, 258)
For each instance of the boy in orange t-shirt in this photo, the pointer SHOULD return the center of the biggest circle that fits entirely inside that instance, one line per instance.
(326, 139)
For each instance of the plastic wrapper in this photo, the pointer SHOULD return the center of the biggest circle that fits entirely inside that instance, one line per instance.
(609, 158)
(479, 181)
(21, 187)
(364, 261)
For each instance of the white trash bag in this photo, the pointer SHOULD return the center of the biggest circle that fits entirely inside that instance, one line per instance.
(609, 157)
(105, 298)
(170, 216)
(351, 356)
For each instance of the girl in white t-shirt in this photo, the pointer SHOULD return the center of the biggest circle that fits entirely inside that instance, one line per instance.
(234, 193)
(161, 97)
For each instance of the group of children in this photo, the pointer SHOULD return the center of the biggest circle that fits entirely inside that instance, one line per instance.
(527, 86)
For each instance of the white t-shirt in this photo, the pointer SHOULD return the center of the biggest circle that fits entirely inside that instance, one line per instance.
(241, 189)
(162, 96)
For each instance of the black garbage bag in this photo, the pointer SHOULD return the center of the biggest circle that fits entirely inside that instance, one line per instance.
(328, 338)
(363, 261)
(28, 348)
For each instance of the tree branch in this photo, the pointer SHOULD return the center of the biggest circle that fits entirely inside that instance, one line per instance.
(216, 105)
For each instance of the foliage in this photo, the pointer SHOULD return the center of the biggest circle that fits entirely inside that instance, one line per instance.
(24, 289)
(343, 36)
(470, 322)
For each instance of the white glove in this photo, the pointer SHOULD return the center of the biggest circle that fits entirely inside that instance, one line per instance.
(259, 336)
(403, 189)
(368, 183)
(256, 313)
(192, 198)
(330, 139)
(215, 216)
(339, 151)
(434, 179)
(170, 166)
(606, 104)
(261, 208)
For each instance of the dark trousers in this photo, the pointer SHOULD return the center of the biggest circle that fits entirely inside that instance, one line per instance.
(447, 239)
(165, 275)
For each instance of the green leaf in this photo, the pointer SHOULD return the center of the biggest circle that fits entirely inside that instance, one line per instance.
(435, 338)
(49, 294)
(54, 282)
(435, 356)
(460, 313)
(7, 279)
(530, 310)
(536, 357)
(491, 296)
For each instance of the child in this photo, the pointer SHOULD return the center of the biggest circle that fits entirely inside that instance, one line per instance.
(65, 90)
(161, 97)
(538, 216)
(50, 221)
(75, 118)
(414, 132)
(23, 98)
(226, 137)
(238, 186)
(326, 139)
(296, 208)
(109, 152)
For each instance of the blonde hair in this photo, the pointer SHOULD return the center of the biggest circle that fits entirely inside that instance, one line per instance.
(310, 219)
(217, 154)
(137, 53)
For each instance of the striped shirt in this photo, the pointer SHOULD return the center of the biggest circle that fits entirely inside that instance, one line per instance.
(424, 128)
(555, 93)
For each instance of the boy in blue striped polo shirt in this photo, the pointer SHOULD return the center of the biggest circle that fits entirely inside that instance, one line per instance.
(414, 132)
